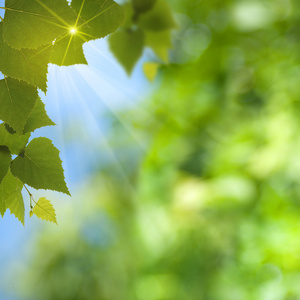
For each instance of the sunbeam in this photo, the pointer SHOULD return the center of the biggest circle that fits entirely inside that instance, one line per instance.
(80, 97)
(91, 134)
(93, 80)
(79, 14)
(53, 13)
(67, 49)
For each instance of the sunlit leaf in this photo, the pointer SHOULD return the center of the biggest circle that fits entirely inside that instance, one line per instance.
(44, 210)
(95, 20)
(100, 17)
(68, 51)
(30, 24)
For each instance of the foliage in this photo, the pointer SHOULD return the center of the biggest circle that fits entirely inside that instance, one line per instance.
(147, 24)
(34, 34)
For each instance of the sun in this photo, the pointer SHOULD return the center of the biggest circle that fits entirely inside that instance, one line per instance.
(73, 30)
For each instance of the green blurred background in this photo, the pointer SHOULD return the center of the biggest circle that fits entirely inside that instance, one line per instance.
(208, 207)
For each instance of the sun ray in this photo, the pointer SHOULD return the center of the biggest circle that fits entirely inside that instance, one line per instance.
(137, 107)
(69, 43)
(59, 119)
(53, 13)
(50, 45)
(67, 49)
(34, 14)
(27, 12)
(97, 15)
(82, 34)
(79, 34)
(84, 108)
(79, 14)
(110, 108)
(58, 25)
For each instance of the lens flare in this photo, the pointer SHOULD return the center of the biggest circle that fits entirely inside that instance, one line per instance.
(73, 30)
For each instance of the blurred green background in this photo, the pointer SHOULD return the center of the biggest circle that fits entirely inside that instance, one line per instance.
(206, 205)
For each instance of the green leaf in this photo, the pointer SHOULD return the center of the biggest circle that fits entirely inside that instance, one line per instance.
(160, 18)
(5, 159)
(44, 210)
(150, 70)
(68, 51)
(11, 196)
(102, 17)
(96, 19)
(129, 15)
(30, 65)
(160, 42)
(127, 46)
(30, 24)
(15, 142)
(141, 6)
(40, 166)
(17, 99)
(38, 117)
(2, 203)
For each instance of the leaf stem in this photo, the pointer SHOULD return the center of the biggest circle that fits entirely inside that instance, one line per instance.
(1, 19)
(27, 190)
(31, 197)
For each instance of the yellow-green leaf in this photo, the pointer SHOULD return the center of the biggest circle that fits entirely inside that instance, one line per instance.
(150, 70)
(44, 210)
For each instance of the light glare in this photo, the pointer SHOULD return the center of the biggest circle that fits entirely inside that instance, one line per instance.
(73, 30)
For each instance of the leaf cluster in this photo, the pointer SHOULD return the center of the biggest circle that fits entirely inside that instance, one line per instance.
(32, 35)
(148, 24)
